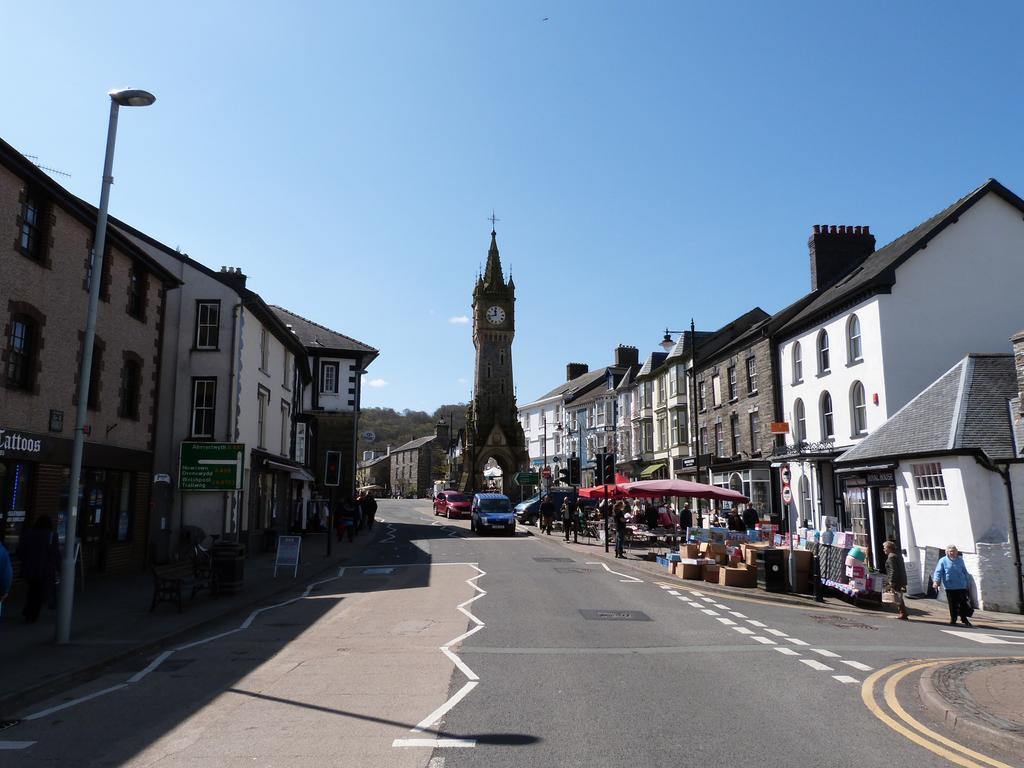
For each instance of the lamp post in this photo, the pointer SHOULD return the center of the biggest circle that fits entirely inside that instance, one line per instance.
(118, 99)
(667, 344)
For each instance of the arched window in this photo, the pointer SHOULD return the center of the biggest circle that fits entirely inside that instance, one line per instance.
(853, 349)
(799, 422)
(827, 425)
(823, 363)
(798, 363)
(21, 352)
(804, 497)
(858, 409)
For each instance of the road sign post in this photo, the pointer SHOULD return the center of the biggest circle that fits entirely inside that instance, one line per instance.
(526, 478)
(211, 466)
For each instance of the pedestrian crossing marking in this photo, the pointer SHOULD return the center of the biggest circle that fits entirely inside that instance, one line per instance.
(986, 638)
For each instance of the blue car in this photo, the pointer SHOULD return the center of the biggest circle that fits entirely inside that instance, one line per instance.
(492, 512)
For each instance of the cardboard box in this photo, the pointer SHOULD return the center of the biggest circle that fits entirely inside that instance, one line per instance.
(740, 576)
(753, 556)
(710, 572)
(712, 548)
(690, 570)
(735, 561)
(689, 551)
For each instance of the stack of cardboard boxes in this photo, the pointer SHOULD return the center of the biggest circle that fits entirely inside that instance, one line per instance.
(715, 562)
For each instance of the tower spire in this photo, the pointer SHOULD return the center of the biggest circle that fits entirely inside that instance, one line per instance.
(492, 275)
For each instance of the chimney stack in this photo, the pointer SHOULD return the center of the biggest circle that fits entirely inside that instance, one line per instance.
(626, 356)
(1018, 362)
(233, 276)
(575, 370)
(441, 432)
(836, 250)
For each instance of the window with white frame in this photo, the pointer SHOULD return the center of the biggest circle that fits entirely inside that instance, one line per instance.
(681, 379)
(804, 496)
(673, 379)
(798, 363)
(264, 350)
(928, 483)
(662, 433)
(716, 390)
(703, 444)
(286, 378)
(732, 382)
(755, 431)
(286, 431)
(263, 405)
(827, 422)
(719, 440)
(858, 409)
(702, 394)
(751, 375)
(207, 324)
(734, 428)
(799, 421)
(853, 348)
(329, 378)
(204, 406)
(823, 361)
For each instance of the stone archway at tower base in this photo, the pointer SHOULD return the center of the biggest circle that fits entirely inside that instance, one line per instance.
(506, 459)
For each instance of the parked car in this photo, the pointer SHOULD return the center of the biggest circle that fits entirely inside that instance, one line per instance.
(492, 512)
(452, 504)
(528, 512)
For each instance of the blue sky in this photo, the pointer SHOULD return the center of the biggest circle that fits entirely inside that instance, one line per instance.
(648, 162)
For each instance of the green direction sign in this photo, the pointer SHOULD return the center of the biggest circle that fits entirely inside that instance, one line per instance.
(211, 466)
(527, 478)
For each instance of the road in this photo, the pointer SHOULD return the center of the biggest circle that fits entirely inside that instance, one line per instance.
(435, 648)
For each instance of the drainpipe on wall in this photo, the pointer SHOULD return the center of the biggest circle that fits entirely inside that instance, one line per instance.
(231, 501)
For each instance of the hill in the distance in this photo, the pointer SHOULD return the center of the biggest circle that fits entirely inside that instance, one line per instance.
(394, 428)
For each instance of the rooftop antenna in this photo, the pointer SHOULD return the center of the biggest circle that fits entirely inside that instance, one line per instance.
(34, 160)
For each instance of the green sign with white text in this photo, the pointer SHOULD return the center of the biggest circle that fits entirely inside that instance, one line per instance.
(527, 478)
(211, 466)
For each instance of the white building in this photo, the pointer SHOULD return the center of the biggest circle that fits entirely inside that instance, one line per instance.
(953, 453)
(881, 325)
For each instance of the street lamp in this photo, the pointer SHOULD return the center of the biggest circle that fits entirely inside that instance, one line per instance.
(667, 344)
(121, 98)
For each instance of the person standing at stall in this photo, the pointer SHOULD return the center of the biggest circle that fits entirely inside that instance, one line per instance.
(952, 574)
(567, 517)
(619, 516)
(896, 577)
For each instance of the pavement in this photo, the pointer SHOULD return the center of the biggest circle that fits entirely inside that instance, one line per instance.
(982, 699)
(111, 621)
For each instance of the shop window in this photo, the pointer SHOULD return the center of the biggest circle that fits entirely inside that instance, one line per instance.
(15, 498)
(928, 482)
(751, 375)
(827, 422)
(22, 345)
(799, 422)
(853, 347)
(204, 407)
(858, 409)
(798, 364)
(207, 324)
(131, 385)
(856, 502)
(823, 360)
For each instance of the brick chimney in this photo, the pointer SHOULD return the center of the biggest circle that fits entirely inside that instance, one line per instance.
(1018, 362)
(233, 276)
(575, 370)
(626, 356)
(836, 250)
(441, 432)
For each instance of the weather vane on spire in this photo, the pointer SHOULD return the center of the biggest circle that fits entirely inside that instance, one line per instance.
(493, 219)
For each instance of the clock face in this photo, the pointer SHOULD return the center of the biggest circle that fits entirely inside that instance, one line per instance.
(496, 315)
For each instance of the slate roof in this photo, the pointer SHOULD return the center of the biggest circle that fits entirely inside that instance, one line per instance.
(579, 383)
(419, 442)
(315, 335)
(964, 410)
(652, 364)
(878, 270)
(683, 345)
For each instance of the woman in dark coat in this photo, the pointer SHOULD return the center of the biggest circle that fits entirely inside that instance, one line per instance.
(896, 576)
(40, 558)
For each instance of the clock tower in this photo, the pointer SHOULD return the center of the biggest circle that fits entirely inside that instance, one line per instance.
(492, 424)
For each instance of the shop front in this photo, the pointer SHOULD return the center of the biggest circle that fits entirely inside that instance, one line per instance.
(869, 502)
(753, 480)
(113, 497)
(278, 498)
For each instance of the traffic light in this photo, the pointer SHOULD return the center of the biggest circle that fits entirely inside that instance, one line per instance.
(332, 468)
(608, 469)
(574, 470)
(563, 476)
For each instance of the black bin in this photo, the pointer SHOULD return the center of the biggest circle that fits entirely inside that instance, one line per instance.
(774, 570)
(228, 560)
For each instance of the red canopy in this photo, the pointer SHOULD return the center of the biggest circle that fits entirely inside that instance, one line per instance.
(673, 487)
(597, 492)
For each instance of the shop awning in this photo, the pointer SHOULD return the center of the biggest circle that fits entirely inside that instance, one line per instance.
(297, 473)
(652, 468)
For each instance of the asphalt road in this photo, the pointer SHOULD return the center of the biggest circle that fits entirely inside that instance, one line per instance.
(442, 649)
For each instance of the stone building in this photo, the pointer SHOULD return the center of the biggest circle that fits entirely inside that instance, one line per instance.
(415, 465)
(45, 273)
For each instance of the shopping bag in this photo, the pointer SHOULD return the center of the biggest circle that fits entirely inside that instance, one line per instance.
(967, 609)
(888, 596)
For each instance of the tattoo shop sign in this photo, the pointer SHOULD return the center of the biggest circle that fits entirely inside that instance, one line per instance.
(20, 445)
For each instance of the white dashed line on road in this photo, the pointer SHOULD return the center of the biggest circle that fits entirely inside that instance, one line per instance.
(788, 651)
(738, 615)
(826, 654)
(744, 630)
(813, 664)
(15, 744)
(764, 640)
(857, 665)
(776, 632)
(795, 641)
(727, 622)
(845, 679)
(674, 592)
(708, 599)
(709, 612)
(755, 623)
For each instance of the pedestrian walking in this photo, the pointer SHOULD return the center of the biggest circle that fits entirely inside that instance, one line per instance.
(952, 574)
(6, 574)
(619, 516)
(567, 517)
(547, 515)
(369, 509)
(750, 518)
(347, 519)
(896, 577)
(39, 554)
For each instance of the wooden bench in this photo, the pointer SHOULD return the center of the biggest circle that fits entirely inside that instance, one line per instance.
(170, 580)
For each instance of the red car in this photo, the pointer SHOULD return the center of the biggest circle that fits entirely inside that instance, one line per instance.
(451, 504)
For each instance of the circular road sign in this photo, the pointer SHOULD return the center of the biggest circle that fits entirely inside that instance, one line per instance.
(787, 495)
(369, 436)
(546, 472)
(786, 475)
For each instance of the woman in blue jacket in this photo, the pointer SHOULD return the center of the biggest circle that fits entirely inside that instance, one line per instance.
(952, 574)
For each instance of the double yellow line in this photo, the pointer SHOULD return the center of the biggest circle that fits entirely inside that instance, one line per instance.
(956, 753)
